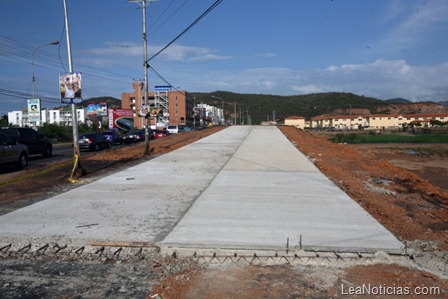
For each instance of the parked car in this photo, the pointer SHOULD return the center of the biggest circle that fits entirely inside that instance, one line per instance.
(12, 153)
(113, 137)
(134, 136)
(36, 143)
(93, 142)
(183, 128)
(161, 133)
(173, 129)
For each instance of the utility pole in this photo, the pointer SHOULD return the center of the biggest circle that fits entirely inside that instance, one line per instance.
(145, 66)
(234, 113)
(145, 71)
(77, 157)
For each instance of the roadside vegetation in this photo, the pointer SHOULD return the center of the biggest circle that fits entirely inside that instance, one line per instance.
(373, 137)
(60, 133)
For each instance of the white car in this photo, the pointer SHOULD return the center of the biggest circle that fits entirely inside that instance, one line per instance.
(173, 129)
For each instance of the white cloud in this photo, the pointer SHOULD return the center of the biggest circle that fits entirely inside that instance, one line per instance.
(184, 53)
(407, 23)
(172, 53)
(265, 55)
(383, 79)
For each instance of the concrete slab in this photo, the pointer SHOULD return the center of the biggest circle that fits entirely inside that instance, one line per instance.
(268, 195)
(139, 204)
(244, 187)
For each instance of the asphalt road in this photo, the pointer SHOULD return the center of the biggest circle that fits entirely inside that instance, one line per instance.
(61, 152)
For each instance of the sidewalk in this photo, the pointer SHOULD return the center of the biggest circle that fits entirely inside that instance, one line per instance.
(244, 187)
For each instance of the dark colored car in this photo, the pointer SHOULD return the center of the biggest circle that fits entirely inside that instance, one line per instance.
(12, 153)
(161, 133)
(36, 143)
(113, 137)
(134, 136)
(93, 142)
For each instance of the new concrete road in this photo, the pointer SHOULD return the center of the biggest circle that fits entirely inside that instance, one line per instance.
(245, 187)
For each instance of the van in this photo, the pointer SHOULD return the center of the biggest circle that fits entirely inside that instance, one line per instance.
(173, 129)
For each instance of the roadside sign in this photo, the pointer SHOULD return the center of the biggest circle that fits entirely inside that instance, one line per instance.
(70, 88)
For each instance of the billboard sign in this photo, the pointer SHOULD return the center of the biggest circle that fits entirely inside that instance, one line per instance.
(96, 109)
(34, 109)
(121, 119)
(70, 88)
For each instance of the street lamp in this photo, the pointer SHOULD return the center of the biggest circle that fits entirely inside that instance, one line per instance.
(222, 107)
(32, 62)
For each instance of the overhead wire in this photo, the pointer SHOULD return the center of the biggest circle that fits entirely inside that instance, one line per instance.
(20, 52)
(169, 17)
(213, 6)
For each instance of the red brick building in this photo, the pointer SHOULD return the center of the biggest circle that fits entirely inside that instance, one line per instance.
(175, 106)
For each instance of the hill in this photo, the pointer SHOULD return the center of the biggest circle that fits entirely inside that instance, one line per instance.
(261, 107)
(398, 101)
(111, 101)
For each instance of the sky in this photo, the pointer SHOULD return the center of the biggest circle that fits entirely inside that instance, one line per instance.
(377, 48)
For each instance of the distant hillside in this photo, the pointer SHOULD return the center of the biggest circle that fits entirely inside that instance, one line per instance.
(111, 102)
(398, 101)
(261, 107)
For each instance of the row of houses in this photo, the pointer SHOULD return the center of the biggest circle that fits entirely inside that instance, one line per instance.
(372, 121)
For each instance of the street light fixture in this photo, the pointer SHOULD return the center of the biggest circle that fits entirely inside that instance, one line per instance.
(32, 63)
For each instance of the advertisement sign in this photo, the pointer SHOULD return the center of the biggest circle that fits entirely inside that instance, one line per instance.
(121, 119)
(96, 109)
(34, 110)
(70, 88)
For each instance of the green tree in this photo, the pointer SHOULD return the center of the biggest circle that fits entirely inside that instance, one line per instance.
(4, 121)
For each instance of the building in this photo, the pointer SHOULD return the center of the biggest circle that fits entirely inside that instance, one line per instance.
(166, 106)
(375, 121)
(61, 116)
(296, 121)
(65, 117)
(211, 114)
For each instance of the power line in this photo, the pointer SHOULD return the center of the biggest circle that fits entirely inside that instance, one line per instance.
(169, 17)
(213, 6)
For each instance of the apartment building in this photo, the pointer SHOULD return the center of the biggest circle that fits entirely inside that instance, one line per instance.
(374, 121)
(165, 105)
(51, 116)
